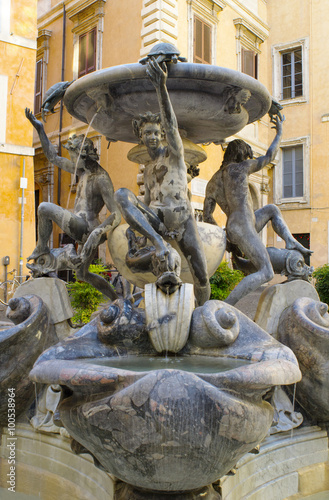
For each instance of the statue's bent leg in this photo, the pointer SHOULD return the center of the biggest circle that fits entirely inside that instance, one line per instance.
(95, 280)
(256, 252)
(272, 213)
(142, 219)
(97, 236)
(192, 249)
(48, 213)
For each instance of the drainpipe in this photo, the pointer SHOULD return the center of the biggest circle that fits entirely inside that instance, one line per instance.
(23, 186)
(59, 180)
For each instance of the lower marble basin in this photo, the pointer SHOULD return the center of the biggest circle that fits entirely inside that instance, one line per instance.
(174, 428)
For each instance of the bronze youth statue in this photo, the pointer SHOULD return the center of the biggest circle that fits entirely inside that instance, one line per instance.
(166, 212)
(229, 188)
(94, 190)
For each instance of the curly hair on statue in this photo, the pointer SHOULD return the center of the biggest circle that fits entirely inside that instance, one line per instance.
(237, 151)
(148, 117)
(82, 144)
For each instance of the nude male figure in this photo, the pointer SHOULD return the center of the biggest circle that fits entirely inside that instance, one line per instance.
(94, 190)
(166, 212)
(229, 188)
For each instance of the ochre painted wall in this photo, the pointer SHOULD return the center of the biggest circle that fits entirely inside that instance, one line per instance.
(17, 57)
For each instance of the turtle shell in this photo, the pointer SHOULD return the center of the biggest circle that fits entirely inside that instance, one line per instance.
(57, 87)
(164, 48)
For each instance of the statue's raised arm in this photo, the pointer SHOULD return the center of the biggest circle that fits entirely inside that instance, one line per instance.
(48, 149)
(262, 161)
(158, 77)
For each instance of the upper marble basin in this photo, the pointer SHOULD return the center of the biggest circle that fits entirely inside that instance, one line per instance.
(211, 103)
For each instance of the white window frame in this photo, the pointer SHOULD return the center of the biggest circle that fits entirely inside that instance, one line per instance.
(278, 177)
(277, 51)
(207, 11)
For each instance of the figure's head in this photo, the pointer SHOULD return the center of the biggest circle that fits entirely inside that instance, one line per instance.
(237, 151)
(83, 146)
(148, 129)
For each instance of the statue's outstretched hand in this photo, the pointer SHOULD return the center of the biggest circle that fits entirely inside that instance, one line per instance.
(156, 74)
(30, 116)
(277, 121)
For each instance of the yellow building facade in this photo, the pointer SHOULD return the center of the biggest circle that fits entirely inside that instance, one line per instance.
(298, 80)
(257, 37)
(18, 28)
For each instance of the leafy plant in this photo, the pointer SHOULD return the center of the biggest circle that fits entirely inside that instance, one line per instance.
(223, 281)
(321, 275)
(85, 299)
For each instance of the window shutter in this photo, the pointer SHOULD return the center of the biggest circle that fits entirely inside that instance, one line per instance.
(38, 87)
(87, 52)
(202, 42)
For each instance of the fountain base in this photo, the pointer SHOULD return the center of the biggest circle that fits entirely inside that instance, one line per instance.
(125, 491)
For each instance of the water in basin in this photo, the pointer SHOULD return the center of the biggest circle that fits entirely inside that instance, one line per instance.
(195, 364)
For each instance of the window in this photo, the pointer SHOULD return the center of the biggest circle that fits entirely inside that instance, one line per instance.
(38, 87)
(88, 27)
(304, 239)
(249, 62)
(291, 71)
(203, 18)
(202, 41)
(249, 38)
(292, 74)
(293, 184)
(292, 173)
(87, 52)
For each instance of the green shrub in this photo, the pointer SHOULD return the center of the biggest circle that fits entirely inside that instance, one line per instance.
(85, 299)
(223, 281)
(321, 275)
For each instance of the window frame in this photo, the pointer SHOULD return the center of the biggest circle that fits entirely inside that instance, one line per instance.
(293, 74)
(299, 201)
(207, 12)
(85, 18)
(293, 170)
(277, 52)
(248, 38)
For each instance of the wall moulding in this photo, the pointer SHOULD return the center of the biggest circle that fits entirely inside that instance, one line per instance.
(159, 23)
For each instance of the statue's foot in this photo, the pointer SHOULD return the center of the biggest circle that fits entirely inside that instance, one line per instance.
(295, 245)
(37, 252)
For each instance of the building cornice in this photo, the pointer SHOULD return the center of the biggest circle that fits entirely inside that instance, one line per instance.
(242, 24)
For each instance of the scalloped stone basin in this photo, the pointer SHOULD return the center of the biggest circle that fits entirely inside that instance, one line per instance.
(205, 98)
(20, 345)
(304, 327)
(168, 430)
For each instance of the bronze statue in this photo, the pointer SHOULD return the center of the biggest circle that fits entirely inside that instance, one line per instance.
(94, 190)
(229, 188)
(166, 212)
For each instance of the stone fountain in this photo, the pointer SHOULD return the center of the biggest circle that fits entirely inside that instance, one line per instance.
(167, 396)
